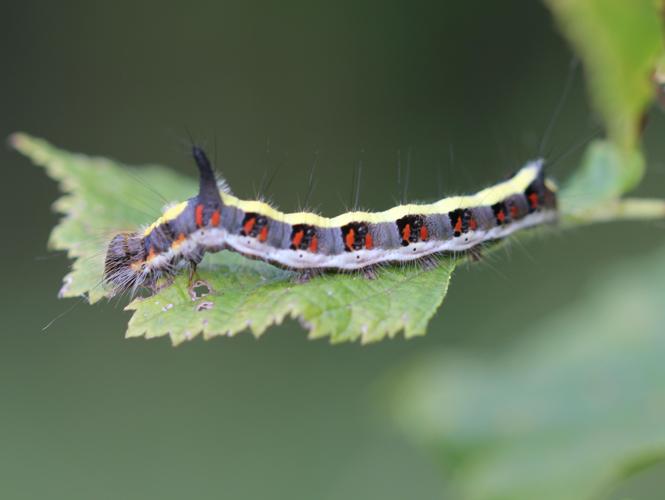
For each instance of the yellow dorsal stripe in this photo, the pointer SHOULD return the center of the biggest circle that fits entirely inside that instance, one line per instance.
(489, 196)
(170, 214)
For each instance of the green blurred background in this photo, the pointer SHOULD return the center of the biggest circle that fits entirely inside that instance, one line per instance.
(271, 86)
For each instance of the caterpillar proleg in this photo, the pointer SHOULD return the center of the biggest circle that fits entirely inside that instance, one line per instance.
(215, 219)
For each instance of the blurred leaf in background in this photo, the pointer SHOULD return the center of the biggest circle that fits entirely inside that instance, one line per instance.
(565, 415)
(619, 43)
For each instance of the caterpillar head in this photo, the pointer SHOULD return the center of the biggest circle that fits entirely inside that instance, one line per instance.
(123, 267)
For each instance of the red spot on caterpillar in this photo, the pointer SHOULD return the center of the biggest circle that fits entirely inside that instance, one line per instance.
(533, 200)
(247, 227)
(406, 232)
(424, 234)
(473, 224)
(369, 242)
(458, 225)
(501, 216)
(263, 235)
(214, 218)
(514, 211)
(198, 215)
(314, 244)
(350, 239)
(297, 238)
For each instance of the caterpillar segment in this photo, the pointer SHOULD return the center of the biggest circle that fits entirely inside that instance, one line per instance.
(215, 219)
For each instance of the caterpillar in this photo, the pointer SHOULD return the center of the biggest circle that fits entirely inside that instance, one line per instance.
(215, 219)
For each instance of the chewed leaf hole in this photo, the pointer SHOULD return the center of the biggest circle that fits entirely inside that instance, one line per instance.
(199, 289)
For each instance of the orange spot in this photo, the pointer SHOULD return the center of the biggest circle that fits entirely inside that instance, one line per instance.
(214, 219)
(369, 242)
(249, 225)
(473, 225)
(198, 215)
(406, 232)
(178, 241)
(424, 234)
(151, 254)
(501, 217)
(314, 244)
(263, 235)
(533, 200)
(297, 238)
(458, 225)
(350, 239)
(136, 266)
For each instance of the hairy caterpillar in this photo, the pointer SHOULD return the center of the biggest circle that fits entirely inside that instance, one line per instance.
(214, 219)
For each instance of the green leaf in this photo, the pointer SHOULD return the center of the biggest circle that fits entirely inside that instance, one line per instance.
(619, 42)
(598, 181)
(255, 295)
(102, 197)
(577, 408)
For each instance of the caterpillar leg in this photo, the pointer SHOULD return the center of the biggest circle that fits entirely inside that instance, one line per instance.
(475, 253)
(193, 276)
(305, 275)
(428, 263)
(370, 272)
(193, 259)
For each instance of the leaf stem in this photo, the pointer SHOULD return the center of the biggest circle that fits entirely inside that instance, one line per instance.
(621, 209)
